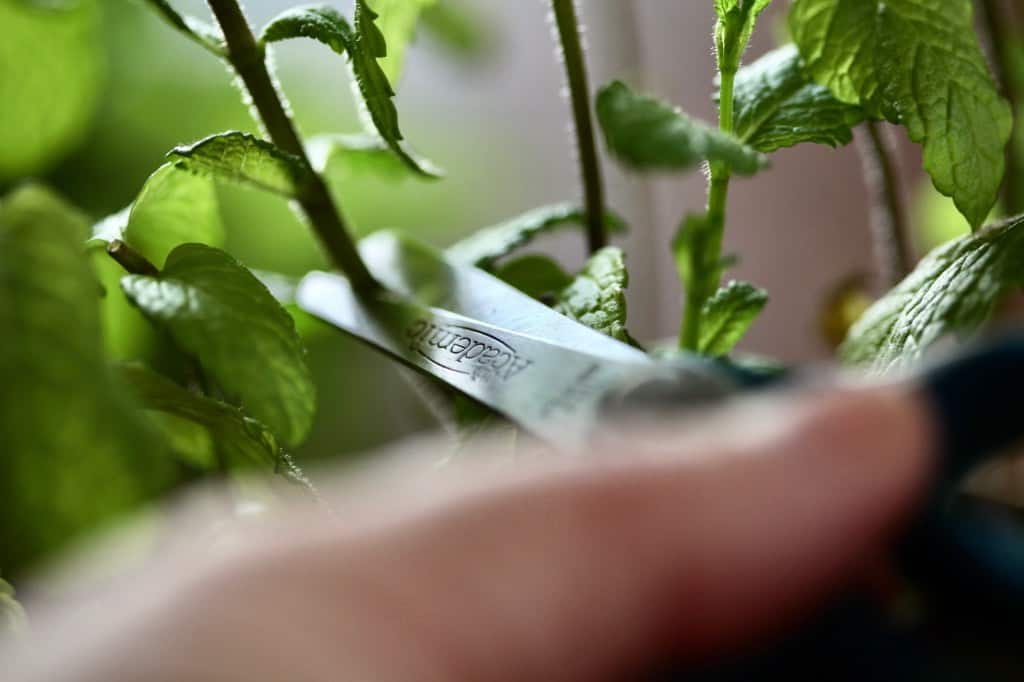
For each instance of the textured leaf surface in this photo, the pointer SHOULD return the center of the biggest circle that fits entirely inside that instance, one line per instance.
(51, 73)
(221, 314)
(365, 47)
(75, 453)
(204, 34)
(777, 105)
(647, 134)
(536, 276)
(597, 296)
(357, 156)
(952, 292)
(917, 63)
(246, 159)
(728, 315)
(484, 247)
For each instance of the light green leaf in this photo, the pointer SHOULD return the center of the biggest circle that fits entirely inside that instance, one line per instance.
(734, 28)
(356, 156)
(67, 429)
(202, 33)
(484, 247)
(246, 159)
(647, 134)
(397, 21)
(728, 315)
(536, 276)
(778, 105)
(51, 75)
(951, 293)
(219, 313)
(12, 615)
(597, 297)
(364, 46)
(917, 63)
(461, 30)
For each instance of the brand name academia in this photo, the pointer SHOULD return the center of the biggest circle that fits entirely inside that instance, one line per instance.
(465, 350)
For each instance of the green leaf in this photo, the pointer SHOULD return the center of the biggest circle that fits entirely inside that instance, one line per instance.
(536, 276)
(952, 292)
(12, 616)
(364, 46)
(778, 105)
(355, 156)
(461, 30)
(917, 63)
(484, 247)
(51, 75)
(647, 134)
(246, 159)
(597, 297)
(202, 33)
(222, 315)
(734, 28)
(397, 21)
(75, 452)
(728, 315)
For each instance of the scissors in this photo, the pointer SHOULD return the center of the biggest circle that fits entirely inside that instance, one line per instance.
(560, 380)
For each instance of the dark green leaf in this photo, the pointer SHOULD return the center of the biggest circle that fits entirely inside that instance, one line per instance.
(484, 247)
(728, 315)
(67, 430)
(51, 73)
(365, 47)
(917, 63)
(356, 156)
(536, 276)
(778, 105)
(647, 134)
(246, 159)
(219, 313)
(202, 33)
(12, 616)
(597, 297)
(952, 292)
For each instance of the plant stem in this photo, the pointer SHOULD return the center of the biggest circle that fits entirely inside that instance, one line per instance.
(999, 29)
(888, 216)
(706, 253)
(579, 91)
(248, 58)
(130, 259)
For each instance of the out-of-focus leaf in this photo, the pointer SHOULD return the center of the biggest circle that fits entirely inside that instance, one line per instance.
(778, 105)
(246, 159)
(219, 313)
(647, 134)
(459, 29)
(952, 292)
(188, 441)
(202, 33)
(51, 73)
(536, 276)
(597, 296)
(728, 315)
(75, 452)
(354, 156)
(398, 20)
(917, 63)
(12, 616)
(484, 247)
(365, 47)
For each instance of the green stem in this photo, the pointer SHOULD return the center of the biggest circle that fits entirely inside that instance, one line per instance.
(248, 58)
(706, 253)
(579, 91)
(130, 259)
(888, 217)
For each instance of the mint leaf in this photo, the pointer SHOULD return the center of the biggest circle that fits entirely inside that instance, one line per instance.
(200, 32)
(597, 296)
(51, 74)
(364, 46)
(647, 134)
(536, 276)
(12, 616)
(917, 63)
(219, 313)
(397, 21)
(486, 246)
(735, 26)
(68, 431)
(246, 159)
(354, 156)
(778, 105)
(952, 292)
(728, 315)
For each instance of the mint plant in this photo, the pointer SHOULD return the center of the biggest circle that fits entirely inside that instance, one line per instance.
(87, 437)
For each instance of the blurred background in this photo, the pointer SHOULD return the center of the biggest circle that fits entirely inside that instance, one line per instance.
(482, 96)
